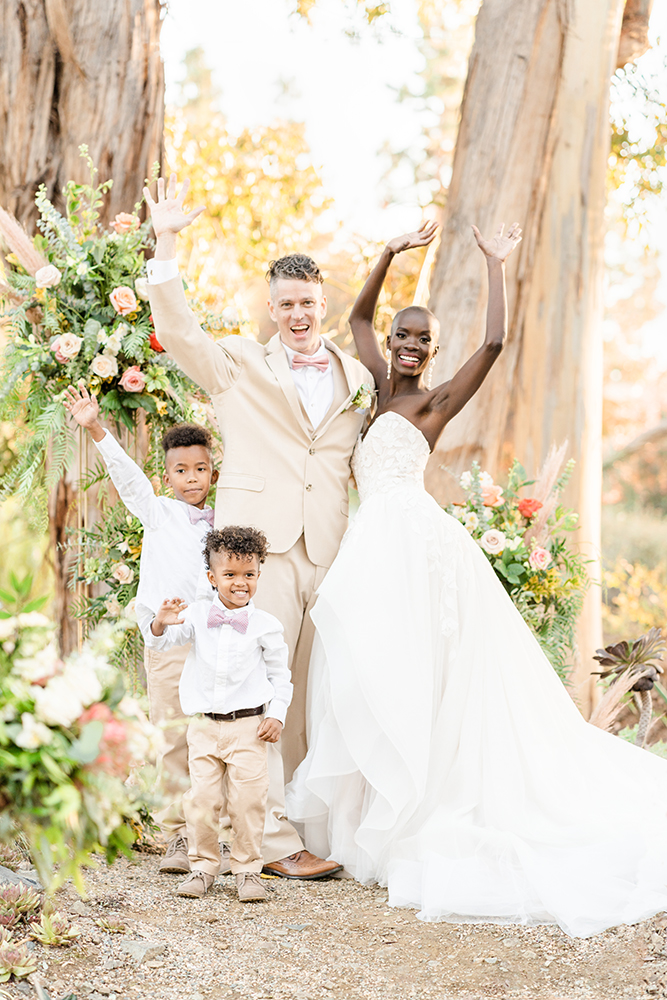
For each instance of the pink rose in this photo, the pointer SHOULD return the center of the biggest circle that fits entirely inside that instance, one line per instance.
(123, 300)
(125, 223)
(66, 346)
(133, 380)
(539, 558)
(492, 495)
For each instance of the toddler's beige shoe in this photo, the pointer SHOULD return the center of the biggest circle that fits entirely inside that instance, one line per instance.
(196, 885)
(176, 859)
(250, 888)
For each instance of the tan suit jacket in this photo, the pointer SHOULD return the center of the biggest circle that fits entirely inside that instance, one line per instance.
(279, 473)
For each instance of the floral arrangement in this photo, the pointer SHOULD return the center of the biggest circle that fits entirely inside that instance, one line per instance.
(525, 540)
(76, 309)
(69, 739)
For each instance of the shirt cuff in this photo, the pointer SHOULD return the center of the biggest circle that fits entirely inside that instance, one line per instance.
(159, 271)
(277, 709)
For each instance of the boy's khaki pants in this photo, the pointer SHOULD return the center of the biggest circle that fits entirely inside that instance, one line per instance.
(216, 750)
(163, 673)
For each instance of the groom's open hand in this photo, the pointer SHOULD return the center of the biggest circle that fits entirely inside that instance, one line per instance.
(167, 213)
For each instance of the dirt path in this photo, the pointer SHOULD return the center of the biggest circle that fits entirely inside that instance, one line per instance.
(332, 939)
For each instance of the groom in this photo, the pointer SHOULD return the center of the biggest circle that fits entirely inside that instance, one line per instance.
(288, 425)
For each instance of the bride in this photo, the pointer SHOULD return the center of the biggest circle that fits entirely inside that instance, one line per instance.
(446, 759)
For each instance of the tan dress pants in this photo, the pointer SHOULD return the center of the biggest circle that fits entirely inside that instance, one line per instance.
(232, 750)
(163, 673)
(288, 589)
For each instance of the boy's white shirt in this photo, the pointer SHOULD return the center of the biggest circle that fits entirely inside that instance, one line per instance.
(172, 563)
(226, 670)
(316, 388)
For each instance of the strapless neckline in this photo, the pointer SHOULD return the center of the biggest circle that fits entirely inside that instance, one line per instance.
(395, 413)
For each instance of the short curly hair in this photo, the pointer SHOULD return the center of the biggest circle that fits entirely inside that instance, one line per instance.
(186, 436)
(234, 540)
(294, 265)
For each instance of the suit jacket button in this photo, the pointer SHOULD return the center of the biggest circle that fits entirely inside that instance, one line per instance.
(308, 488)
(311, 451)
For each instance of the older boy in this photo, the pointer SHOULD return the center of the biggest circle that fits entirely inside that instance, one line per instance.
(171, 561)
(289, 422)
(236, 671)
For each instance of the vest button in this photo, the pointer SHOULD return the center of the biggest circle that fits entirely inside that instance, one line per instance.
(308, 488)
(311, 451)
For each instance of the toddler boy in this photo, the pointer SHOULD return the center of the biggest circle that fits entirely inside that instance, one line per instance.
(236, 685)
(171, 562)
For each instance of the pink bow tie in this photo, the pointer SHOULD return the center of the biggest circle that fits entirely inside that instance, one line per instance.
(306, 361)
(197, 514)
(217, 616)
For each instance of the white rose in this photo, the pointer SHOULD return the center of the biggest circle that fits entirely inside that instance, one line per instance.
(493, 541)
(40, 665)
(129, 611)
(471, 521)
(81, 676)
(113, 607)
(141, 288)
(113, 344)
(58, 704)
(33, 734)
(33, 619)
(513, 543)
(68, 344)
(104, 365)
(123, 573)
(7, 627)
(48, 277)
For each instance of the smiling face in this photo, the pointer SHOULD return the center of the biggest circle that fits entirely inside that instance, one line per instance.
(298, 307)
(234, 577)
(413, 340)
(190, 473)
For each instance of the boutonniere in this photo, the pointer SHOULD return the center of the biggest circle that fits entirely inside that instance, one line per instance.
(363, 397)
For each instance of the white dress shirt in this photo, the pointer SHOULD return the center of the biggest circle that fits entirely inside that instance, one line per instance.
(226, 670)
(172, 563)
(315, 387)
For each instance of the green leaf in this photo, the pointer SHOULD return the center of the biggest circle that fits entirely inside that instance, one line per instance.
(86, 748)
(35, 605)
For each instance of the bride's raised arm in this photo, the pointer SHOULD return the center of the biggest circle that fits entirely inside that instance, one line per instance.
(450, 397)
(363, 312)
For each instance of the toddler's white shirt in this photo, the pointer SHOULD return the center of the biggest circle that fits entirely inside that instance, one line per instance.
(226, 670)
(172, 564)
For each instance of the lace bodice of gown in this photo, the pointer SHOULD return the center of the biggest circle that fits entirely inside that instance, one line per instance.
(393, 455)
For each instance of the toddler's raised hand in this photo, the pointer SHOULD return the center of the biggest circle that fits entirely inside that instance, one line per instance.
(420, 238)
(81, 405)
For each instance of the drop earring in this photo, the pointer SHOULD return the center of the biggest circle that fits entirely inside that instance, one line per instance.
(429, 373)
(388, 365)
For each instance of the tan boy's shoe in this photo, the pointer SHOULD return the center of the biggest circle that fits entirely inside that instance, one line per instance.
(196, 885)
(176, 859)
(225, 858)
(250, 888)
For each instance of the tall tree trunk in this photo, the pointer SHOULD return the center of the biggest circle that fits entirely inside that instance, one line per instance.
(78, 71)
(532, 147)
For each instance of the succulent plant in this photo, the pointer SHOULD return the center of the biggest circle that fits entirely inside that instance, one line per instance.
(16, 960)
(640, 658)
(110, 925)
(54, 929)
(10, 857)
(20, 898)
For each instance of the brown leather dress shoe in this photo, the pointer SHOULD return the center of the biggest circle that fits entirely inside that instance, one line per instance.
(303, 864)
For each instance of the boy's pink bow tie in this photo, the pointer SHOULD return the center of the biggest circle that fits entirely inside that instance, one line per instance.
(217, 616)
(304, 361)
(197, 514)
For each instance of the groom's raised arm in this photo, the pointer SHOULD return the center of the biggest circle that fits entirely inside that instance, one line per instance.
(208, 364)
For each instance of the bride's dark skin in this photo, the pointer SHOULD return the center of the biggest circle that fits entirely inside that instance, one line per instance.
(413, 340)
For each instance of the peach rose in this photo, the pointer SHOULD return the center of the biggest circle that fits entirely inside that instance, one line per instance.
(48, 277)
(125, 223)
(133, 380)
(539, 558)
(104, 365)
(123, 573)
(492, 495)
(66, 346)
(123, 300)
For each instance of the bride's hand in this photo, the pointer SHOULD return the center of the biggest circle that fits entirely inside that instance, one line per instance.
(499, 247)
(421, 238)
(167, 214)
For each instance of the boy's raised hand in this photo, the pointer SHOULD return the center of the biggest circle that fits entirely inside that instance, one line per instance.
(499, 247)
(81, 405)
(421, 238)
(168, 614)
(167, 214)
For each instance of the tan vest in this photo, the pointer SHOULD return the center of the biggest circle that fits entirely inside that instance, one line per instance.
(278, 473)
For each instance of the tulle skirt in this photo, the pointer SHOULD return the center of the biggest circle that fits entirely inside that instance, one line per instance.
(446, 759)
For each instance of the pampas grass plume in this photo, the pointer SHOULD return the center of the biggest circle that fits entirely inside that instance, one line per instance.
(20, 243)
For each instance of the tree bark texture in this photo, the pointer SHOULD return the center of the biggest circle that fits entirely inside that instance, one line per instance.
(532, 147)
(72, 72)
(634, 31)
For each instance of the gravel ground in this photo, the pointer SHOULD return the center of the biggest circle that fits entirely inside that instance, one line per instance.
(327, 939)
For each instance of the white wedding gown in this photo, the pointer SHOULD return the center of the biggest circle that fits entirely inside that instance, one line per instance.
(446, 759)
